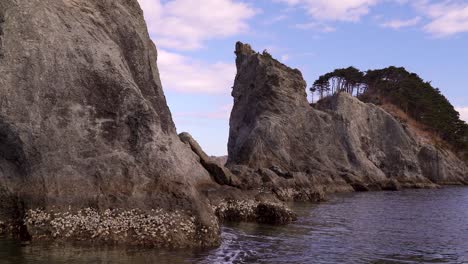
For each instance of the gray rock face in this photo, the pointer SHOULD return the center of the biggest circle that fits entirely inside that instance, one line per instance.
(84, 121)
(219, 172)
(343, 143)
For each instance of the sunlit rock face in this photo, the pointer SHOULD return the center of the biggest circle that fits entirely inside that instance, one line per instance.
(83, 119)
(342, 144)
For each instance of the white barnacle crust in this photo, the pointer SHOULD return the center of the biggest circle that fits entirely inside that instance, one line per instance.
(251, 211)
(156, 227)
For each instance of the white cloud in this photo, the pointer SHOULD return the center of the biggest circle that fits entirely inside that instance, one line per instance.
(448, 17)
(463, 113)
(284, 57)
(186, 24)
(397, 24)
(183, 74)
(335, 10)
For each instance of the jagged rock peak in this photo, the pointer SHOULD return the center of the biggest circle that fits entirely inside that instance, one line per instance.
(243, 51)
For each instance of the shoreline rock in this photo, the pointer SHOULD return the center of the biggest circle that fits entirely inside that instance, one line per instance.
(279, 141)
(84, 122)
(128, 227)
(219, 172)
(254, 211)
(89, 151)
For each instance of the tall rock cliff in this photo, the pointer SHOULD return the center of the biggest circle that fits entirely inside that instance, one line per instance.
(342, 144)
(85, 131)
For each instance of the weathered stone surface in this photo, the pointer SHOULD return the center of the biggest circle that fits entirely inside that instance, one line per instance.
(219, 172)
(254, 211)
(89, 151)
(83, 118)
(343, 144)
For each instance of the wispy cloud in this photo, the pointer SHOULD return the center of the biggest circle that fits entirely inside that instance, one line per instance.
(178, 25)
(397, 24)
(183, 74)
(448, 17)
(334, 10)
(186, 24)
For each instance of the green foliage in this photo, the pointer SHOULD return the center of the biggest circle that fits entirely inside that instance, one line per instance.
(348, 80)
(409, 92)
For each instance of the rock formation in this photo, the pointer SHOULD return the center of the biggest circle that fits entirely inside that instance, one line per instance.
(88, 148)
(299, 151)
(85, 128)
(89, 151)
(221, 174)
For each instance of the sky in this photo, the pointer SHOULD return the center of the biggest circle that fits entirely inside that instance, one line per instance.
(196, 38)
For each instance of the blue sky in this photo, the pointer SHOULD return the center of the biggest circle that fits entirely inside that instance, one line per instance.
(195, 40)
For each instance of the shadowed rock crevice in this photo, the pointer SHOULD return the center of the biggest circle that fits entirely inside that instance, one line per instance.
(12, 152)
(14, 170)
(219, 172)
(2, 21)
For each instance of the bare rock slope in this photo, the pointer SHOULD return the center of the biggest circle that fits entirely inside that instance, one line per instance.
(343, 144)
(88, 147)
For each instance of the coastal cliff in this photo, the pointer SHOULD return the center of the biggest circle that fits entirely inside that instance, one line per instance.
(341, 145)
(88, 148)
(89, 151)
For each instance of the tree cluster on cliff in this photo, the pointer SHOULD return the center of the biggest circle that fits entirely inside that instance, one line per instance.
(350, 80)
(416, 97)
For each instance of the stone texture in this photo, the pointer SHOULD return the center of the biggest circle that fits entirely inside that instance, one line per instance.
(83, 118)
(343, 144)
(254, 211)
(89, 151)
(219, 172)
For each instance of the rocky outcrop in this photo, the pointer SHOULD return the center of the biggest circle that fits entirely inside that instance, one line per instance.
(239, 201)
(88, 148)
(89, 151)
(219, 172)
(343, 144)
(254, 211)
(85, 131)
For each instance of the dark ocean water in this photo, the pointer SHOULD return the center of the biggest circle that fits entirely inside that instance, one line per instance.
(412, 226)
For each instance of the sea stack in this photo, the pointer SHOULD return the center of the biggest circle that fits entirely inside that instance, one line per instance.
(342, 144)
(88, 148)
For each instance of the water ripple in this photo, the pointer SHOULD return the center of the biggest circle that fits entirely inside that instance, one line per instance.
(413, 226)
